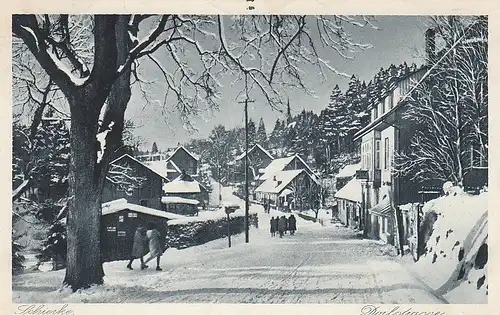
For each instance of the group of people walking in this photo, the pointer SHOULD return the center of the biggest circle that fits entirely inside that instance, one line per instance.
(147, 239)
(283, 224)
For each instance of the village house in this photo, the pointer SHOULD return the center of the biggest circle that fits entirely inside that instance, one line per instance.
(349, 200)
(133, 180)
(258, 159)
(173, 163)
(184, 195)
(289, 189)
(288, 182)
(385, 135)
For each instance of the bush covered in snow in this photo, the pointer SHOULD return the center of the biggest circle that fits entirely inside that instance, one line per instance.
(199, 232)
(456, 246)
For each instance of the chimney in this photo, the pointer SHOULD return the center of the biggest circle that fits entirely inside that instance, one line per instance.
(430, 45)
(274, 178)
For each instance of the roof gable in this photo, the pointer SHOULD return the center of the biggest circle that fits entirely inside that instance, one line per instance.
(255, 147)
(280, 164)
(131, 158)
(185, 150)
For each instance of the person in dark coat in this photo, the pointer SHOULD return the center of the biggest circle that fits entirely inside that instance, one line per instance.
(140, 247)
(286, 225)
(272, 227)
(281, 225)
(292, 224)
(156, 247)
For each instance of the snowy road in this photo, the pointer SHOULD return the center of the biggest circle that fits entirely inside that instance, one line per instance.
(317, 265)
(320, 264)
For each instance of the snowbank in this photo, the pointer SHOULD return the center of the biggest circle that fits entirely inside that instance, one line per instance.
(457, 248)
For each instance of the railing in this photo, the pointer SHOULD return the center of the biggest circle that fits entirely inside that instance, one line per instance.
(374, 176)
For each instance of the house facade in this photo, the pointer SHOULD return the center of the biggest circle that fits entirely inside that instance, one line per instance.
(289, 189)
(134, 181)
(386, 133)
(182, 160)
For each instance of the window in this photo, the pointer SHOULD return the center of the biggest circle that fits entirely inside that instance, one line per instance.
(122, 233)
(111, 228)
(144, 203)
(386, 153)
(374, 113)
(132, 215)
(389, 101)
(120, 218)
(377, 154)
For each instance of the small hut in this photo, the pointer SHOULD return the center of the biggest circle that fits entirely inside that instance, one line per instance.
(119, 222)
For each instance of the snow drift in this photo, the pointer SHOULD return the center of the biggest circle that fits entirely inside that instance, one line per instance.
(455, 260)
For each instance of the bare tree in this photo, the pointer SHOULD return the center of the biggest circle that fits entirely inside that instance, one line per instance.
(92, 60)
(450, 106)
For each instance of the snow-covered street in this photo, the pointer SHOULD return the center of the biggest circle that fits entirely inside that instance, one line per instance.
(320, 264)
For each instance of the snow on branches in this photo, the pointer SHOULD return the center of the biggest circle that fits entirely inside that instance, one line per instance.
(450, 107)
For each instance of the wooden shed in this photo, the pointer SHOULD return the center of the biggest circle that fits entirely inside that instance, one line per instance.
(119, 222)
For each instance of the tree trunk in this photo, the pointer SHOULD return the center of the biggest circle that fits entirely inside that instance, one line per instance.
(84, 267)
(86, 175)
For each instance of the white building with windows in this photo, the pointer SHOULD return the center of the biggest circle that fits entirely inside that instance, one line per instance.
(380, 140)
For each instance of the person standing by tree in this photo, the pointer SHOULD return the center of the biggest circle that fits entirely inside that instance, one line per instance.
(140, 247)
(155, 245)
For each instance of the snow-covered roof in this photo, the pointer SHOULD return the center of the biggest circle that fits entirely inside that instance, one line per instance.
(154, 170)
(283, 178)
(276, 165)
(256, 146)
(351, 191)
(348, 170)
(181, 186)
(122, 204)
(172, 199)
(285, 192)
(164, 167)
(183, 148)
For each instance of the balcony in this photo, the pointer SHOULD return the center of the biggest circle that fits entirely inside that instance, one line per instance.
(374, 176)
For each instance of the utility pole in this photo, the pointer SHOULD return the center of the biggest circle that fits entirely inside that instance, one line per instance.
(246, 169)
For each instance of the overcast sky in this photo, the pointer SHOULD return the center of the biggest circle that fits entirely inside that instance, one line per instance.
(399, 39)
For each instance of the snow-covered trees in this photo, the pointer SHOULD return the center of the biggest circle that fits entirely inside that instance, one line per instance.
(451, 105)
(261, 137)
(252, 133)
(94, 59)
(154, 149)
